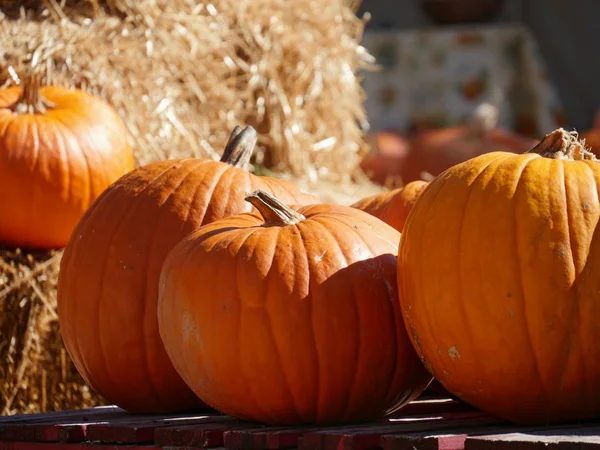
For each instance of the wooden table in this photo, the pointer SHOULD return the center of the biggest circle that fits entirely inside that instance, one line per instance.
(432, 424)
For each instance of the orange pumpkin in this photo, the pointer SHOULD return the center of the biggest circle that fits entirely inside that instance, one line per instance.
(434, 151)
(59, 149)
(108, 283)
(393, 206)
(383, 164)
(591, 137)
(499, 273)
(290, 316)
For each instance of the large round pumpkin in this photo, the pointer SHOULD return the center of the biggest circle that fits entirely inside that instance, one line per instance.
(499, 274)
(433, 151)
(290, 316)
(59, 149)
(108, 283)
(392, 206)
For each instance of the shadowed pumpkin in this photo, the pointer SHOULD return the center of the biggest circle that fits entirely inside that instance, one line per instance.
(108, 283)
(59, 149)
(290, 316)
(499, 274)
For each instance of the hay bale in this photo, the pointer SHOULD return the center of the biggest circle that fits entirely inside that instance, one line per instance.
(36, 373)
(181, 74)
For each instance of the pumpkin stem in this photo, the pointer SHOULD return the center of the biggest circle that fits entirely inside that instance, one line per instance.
(240, 147)
(561, 144)
(31, 100)
(484, 119)
(272, 210)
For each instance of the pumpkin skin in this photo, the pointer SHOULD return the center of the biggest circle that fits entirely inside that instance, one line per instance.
(434, 151)
(383, 164)
(108, 282)
(591, 137)
(393, 206)
(59, 150)
(499, 274)
(298, 309)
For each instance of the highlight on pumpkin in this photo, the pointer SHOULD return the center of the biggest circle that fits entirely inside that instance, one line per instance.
(511, 242)
(59, 150)
(258, 306)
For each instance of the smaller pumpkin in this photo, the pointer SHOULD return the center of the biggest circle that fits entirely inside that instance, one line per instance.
(59, 150)
(290, 316)
(383, 164)
(393, 206)
(434, 151)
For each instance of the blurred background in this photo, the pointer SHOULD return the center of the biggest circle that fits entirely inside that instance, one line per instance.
(522, 65)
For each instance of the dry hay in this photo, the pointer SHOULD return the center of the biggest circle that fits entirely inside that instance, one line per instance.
(182, 74)
(36, 373)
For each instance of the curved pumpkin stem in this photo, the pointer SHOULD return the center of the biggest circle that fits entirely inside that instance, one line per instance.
(240, 147)
(561, 144)
(31, 100)
(272, 210)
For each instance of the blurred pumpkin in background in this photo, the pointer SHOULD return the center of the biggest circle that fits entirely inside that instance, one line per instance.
(592, 136)
(59, 150)
(393, 206)
(383, 163)
(434, 151)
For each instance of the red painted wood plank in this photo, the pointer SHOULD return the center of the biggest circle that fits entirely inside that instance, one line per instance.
(142, 431)
(65, 446)
(202, 436)
(369, 437)
(265, 437)
(282, 438)
(582, 437)
(60, 427)
(460, 434)
(408, 442)
(72, 415)
(519, 441)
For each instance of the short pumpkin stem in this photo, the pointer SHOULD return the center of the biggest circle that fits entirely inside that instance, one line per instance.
(31, 100)
(561, 144)
(240, 147)
(272, 210)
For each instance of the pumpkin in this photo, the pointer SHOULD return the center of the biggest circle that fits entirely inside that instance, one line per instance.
(59, 150)
(290, 316)
(108, 282)
(434, 151)
(383, 164)
(393, 206)
(499, 275)
(591, 137)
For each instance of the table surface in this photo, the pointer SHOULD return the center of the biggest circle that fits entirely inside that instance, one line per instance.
(435, 423)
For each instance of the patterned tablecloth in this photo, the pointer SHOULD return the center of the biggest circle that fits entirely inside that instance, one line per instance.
(436, 77)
